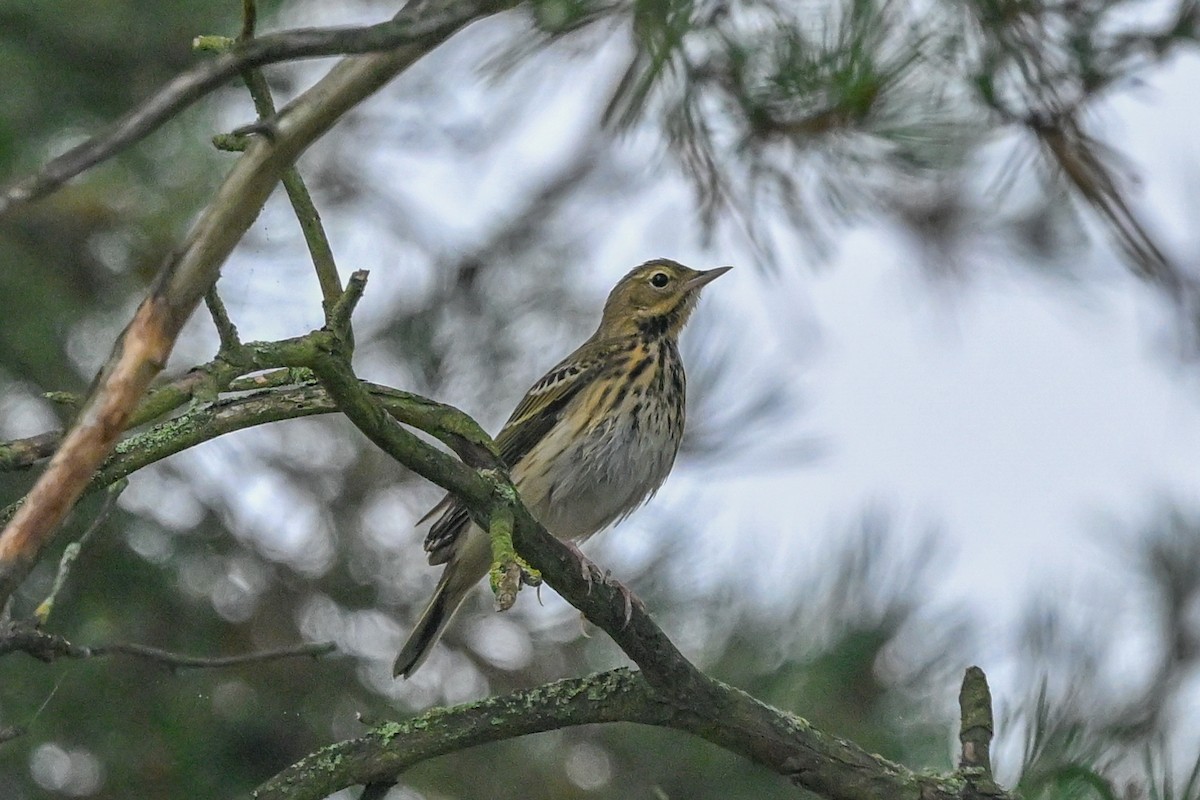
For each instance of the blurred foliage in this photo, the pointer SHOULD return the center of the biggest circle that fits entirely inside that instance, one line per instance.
(806, 113)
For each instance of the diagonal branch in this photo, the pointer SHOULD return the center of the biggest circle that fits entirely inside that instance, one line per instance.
(418, 24)
(143, 347)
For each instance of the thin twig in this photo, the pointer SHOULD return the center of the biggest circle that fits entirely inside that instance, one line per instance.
(226, 330)
(180, 661)
(43, 611)
(309, 218)
(302, 203)
(27, 638)
(343, 307)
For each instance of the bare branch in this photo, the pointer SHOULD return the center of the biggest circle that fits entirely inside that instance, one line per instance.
(786, 744)
(249, 20)
(175, 661)
(302, 203)
(22, 453)
(226, 330)
(423, 24)
(207, 380)
(27, 638)
(207, 422)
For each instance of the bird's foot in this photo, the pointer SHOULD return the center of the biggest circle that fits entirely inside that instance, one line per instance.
(590, 571)
(508, 576)
(627, 595)
(592, 574)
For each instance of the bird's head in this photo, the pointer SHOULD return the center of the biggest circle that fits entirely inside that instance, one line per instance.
(655, 298)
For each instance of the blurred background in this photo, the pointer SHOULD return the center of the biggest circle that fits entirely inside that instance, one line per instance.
(944, 412)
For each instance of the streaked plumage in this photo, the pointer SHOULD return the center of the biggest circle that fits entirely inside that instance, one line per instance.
(592, 440)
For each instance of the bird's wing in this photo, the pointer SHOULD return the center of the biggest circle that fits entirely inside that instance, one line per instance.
(534, 416)
(543, 404)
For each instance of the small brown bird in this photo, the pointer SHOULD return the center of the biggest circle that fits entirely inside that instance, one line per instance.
(591, 441)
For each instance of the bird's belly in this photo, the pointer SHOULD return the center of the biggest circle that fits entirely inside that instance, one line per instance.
(598, 477)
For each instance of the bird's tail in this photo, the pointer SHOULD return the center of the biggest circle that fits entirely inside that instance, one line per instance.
(456, 583)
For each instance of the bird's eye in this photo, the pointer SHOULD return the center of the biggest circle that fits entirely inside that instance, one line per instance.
(659, 279)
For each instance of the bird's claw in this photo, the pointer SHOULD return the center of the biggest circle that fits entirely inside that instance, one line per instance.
(592, 573)
(627, 595)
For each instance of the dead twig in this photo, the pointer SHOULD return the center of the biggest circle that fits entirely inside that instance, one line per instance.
(26, 637)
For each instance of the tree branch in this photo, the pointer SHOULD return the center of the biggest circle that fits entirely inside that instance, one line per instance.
(145, 344)
(25, 637)
(231, 343)
(22, 453)
(176, 661)
(975, 730)
(207, 380)
(227, 415)
(788, 745)
(298, 194)
(421, 23)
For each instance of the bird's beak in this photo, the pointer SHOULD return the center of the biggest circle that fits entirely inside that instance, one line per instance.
(706, 277)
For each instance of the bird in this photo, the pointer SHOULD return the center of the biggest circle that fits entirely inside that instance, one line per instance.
(592, 440)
